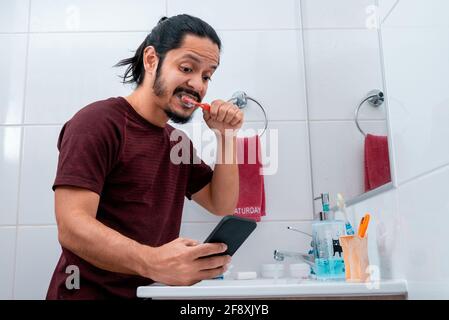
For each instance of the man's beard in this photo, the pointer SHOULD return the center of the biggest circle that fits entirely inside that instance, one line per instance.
(160, 90)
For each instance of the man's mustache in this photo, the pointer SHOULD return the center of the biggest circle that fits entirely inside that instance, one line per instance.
(188, 91)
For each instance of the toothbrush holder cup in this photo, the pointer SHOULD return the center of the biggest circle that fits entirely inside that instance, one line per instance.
(355, 255)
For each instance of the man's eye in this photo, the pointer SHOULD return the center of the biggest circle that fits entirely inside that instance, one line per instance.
(206, 78)
(186, 69)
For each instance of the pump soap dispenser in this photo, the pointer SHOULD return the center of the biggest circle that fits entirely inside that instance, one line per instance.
(329, 263)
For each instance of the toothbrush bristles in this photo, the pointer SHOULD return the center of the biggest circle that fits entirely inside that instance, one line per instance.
(187, 102)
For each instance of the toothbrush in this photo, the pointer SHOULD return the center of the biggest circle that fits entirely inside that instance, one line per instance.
(342, 206)
(190, 103)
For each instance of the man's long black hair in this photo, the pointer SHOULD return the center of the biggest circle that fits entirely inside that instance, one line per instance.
(167, 35)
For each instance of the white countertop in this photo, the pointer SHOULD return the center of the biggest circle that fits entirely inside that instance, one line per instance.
(259, 288)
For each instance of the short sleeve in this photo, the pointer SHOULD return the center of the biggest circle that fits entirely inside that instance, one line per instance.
(200, 174)
(88, 150)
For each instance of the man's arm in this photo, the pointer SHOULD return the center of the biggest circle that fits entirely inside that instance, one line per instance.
(175, 263)
(220, 196)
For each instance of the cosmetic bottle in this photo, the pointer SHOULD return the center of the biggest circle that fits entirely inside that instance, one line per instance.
(326, 232)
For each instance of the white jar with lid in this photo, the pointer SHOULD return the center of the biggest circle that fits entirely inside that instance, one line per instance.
(272, 270)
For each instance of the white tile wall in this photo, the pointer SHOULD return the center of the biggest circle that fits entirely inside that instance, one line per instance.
(238, 15)
(338, 156)
(386, 7)
(424, 207)
(337, 14)
(40, 157)
(10, 139)
(414, 13)
(7, 250)
(14, 15)
(87, 60)
(12, 82)
(276, 80)
(416, 71)
(415, 67)
(38, 251)
(99, 15)
(342, 67)
(290, 168)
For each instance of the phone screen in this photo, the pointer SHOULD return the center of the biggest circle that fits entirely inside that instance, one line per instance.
(232, 231)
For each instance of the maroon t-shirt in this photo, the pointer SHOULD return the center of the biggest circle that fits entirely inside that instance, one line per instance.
(107, 147)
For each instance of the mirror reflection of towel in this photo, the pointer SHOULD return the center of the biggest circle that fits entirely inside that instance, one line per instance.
(377, 162)
(251, 202)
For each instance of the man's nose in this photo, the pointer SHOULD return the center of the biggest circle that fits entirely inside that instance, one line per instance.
(196, 83)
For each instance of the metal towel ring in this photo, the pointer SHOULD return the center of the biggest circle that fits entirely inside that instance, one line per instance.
(240, 99)
(375, 98)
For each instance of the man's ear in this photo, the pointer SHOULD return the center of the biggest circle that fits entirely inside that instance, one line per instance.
(150, 60)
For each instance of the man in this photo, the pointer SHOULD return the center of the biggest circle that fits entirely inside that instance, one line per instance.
(118, 195)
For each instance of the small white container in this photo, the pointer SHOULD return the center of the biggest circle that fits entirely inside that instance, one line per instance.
(272, 270)
(246, 275)
(300, 270)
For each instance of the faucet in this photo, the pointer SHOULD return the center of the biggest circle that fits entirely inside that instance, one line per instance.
(279, 255)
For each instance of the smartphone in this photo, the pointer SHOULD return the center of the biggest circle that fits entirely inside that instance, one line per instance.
(232, 231)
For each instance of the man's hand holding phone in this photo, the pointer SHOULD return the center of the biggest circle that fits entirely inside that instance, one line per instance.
(184, 262)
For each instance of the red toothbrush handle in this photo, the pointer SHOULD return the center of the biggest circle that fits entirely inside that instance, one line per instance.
(205, 106)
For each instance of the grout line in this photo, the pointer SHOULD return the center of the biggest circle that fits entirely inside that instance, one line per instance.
(348, 120)
(390, 11)
(31, 124)
(27, 226)
(188, 221)
(21, 151)
(262, 221)
(334, 28)
(22, 143)
(13, 33)
(307, 111)
(423, 175)
(246, 121)
(217, 29)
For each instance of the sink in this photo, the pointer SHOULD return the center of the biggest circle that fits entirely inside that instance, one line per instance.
(266, 288)
(255, 282)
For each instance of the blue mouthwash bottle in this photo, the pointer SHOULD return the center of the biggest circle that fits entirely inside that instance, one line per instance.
(329, 263)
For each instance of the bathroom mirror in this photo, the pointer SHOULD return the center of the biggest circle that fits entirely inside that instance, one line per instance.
(347, 107)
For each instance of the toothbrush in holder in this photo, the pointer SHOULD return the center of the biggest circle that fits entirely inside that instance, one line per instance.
(342, 206)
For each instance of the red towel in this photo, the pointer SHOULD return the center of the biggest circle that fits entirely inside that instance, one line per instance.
(377, 162)
(251, 202)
